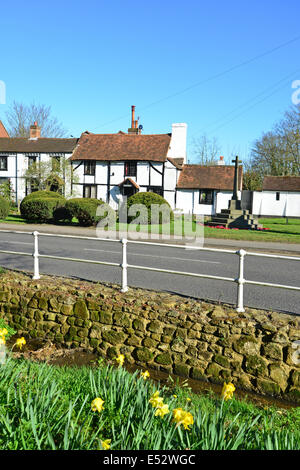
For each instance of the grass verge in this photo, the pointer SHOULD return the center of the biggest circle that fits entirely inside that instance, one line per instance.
(44, 407)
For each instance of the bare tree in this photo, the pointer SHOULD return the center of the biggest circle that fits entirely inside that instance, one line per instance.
(206, 150)
(20, 117)
(277, 152)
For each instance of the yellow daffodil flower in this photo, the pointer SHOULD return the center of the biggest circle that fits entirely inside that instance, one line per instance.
(187, 421)
(20, 342)
(156, 400)
(175, 396)
(97, 404)
(162, 410)
(145, 375)
(120, 359)
(227, 391)
(3, 331)
(183, 417)
(106, 444)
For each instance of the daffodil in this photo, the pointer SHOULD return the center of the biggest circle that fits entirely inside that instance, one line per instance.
(227, 391)
(20, 342)
(162, 410)
(156, 400)
(106, 444)
(120, 359)
(145, 375)
(183, 417)
(97, 404)
(3, 332)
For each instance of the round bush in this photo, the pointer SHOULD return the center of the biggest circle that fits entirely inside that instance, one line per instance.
(4, 207)
(62, 214)
(43, 194)
(40, 209)
(148, 199)
(85, 210)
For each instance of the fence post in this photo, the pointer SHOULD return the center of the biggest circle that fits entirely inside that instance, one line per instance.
(241, 281)
(124, 265)
(36, 272)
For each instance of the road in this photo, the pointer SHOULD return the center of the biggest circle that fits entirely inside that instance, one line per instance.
(277, 271)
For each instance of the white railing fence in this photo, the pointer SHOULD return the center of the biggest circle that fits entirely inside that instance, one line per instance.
(239, 280)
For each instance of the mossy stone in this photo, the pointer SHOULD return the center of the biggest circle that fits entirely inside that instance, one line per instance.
(182, 370)
(256, 365)
(164, 359)
(114, 337)
(267, 387)
(221, 360)
(143, 354)
(80, 310)
(106, 318)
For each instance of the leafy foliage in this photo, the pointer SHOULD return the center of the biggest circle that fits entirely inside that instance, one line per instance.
(150, 201)
(4, 207)
(85, 210)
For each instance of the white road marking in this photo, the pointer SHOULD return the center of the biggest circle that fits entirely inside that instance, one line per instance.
(17, 243)
(156, 256)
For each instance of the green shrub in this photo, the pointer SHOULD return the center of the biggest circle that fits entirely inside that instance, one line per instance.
(40, 209)
(43, 194)
(4, 207)
(147, 199)
(62, 214)
(85, 210)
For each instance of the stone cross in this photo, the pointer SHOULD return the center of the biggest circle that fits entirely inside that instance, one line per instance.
(236, 177)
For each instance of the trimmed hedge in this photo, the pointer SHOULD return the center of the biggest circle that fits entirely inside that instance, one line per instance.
(85, 210)
(43, 194)
(41, 205)
(40, 209)
(4, 207)
(147, 199)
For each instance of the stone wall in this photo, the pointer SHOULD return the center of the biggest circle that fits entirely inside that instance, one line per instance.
(186, 337)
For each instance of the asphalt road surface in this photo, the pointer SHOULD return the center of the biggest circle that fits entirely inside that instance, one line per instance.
(277, 271)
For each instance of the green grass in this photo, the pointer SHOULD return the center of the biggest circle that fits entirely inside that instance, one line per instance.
(279, 230)
(47, 407)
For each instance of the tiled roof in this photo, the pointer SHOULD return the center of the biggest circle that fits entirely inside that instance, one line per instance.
(208, 177)
(3, 131)
(130, 181)
(121, 146)
(42, 145)
(281, 183)
(177, 162)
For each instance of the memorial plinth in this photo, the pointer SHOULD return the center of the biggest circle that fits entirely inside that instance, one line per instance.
(235, 216)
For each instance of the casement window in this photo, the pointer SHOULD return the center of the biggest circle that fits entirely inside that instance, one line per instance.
(156, 190)
(130, 169)
(90, 191)
(31, 160)
(206, 196)
(277, 196)
(90, 168)
(3, 163)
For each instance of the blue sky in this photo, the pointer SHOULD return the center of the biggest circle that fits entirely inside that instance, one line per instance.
(224, 68)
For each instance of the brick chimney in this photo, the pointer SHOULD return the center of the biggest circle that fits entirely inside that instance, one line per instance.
(35, 131)
(221, 161)
(134, 126)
